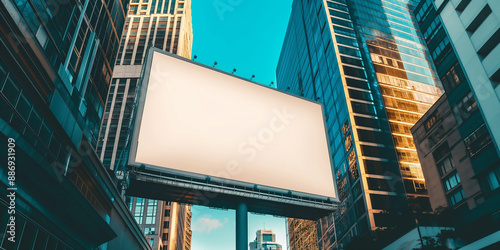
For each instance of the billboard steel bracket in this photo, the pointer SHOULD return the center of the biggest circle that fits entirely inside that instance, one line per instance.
(242, 226)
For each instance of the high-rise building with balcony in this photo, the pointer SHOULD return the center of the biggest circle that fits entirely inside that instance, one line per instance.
(164, 24)
(454, 139)
(366, 61)
(56, 62)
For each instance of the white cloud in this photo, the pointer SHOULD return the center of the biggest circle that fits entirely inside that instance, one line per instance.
(206, 224)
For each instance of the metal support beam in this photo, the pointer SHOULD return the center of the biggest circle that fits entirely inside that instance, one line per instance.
(242, 226)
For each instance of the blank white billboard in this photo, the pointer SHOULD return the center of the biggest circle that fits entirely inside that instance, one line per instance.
(194, 119)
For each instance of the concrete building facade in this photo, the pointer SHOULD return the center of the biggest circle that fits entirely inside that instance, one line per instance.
(460, 161)
(473, 28)
(367, 63)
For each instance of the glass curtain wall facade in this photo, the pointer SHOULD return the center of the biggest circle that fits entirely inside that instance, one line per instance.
(167, 225)
(367, 63)
(302, 234)
(148, 214)
(460, 162)
(164, 24)
(398, 60)
(56, 62)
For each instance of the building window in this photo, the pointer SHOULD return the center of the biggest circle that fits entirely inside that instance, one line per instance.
(431, 121)
(462, 5)
(130, 202)
(451, 182)
(445, 166)
(267, 237)
(430, 32)
(465, 108)
(152, 241)
(139, 210)
(133, 10)
(345, 128)
(356, 72)
(456, 197)
(485, 12)
(436, 136)
(453, 77)
(149, 230)
(353, 166)
(363, 108)
(489, 45)
(151, 212)
(423, 11)
(440, 48)
(441, 151)
(477, 140)
(493, 179)
(348, 142)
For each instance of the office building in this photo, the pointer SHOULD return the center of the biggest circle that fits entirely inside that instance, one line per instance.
(302, 234)
(454, 142)
(164, 24)
(367, 63)
(167, 225)
(473, 28)
(265, 240)
(161, 24)
(182, 225)
(56, 62)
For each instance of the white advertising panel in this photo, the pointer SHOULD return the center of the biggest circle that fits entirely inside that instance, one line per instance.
(195, 119)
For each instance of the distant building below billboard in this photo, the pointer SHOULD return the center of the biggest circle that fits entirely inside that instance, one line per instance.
(265, 240)
(206, 125)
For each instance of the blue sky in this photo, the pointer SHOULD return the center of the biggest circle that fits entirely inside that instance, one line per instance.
(246, 35)
(214, 229)
(242, 34)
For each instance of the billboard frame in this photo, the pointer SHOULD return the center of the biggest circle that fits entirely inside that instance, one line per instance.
(146, 176)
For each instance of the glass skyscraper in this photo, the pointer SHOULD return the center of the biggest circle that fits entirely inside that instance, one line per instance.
(366, 61)
(56, 62)
(302, 234)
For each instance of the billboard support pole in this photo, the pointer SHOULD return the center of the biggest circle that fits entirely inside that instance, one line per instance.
(242, 226)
